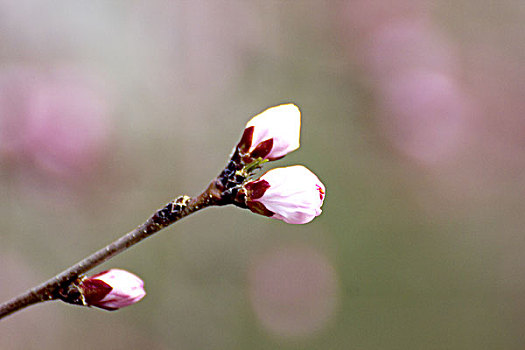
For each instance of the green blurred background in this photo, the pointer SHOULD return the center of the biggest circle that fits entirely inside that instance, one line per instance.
(412, 116)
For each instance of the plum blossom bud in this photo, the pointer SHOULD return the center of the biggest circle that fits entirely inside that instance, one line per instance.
(292, 194)
(112, 289)
(273, 133)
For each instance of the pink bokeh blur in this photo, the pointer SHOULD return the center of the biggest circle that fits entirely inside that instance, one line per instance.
(414, 74)
(54, 122)
(445, 102)
(293, 290)
(424, 114)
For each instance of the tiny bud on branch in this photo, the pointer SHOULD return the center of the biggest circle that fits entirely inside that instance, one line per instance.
(110, 290)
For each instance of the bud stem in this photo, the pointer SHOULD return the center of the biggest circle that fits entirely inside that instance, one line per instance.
(169, 214)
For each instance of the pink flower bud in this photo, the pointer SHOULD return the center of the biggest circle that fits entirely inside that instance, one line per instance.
(292, 194)
(273, 133)
(112, 289)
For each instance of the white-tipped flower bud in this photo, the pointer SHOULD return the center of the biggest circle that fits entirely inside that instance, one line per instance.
(292, 194)
(273, 133)
(112, 289)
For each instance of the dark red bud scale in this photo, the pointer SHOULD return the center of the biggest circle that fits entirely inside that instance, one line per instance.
(262, 149)
(246, 140)
(256, 189)
(94, 290)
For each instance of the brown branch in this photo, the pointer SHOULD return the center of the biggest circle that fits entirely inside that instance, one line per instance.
(169, 214)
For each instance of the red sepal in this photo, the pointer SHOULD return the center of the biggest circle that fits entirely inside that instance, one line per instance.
(262, 149)
(256, 189)
(95, 290)
(246, 140)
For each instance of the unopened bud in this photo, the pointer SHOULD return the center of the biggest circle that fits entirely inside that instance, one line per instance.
(293, 194)
(273, 133)
(112, 289)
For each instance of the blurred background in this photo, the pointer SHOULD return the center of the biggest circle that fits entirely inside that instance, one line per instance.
(413, 117)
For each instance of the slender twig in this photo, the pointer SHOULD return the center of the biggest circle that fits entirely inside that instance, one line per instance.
(232, 186)
(54, 288)
(223, 190)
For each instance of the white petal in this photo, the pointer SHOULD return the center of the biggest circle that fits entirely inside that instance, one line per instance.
(295, 194)
(127, 289)
(283, 124)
